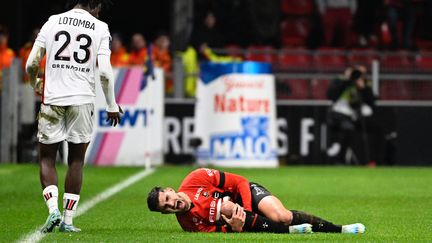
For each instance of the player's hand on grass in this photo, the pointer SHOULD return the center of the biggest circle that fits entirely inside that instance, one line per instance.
(237, 219)
(114, 117)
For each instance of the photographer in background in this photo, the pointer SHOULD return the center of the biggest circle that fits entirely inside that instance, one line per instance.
(352, 116)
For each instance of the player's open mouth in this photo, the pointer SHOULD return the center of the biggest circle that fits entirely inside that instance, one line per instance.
(179, 205)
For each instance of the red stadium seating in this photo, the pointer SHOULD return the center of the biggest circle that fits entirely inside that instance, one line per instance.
(319, 89)
(421, 90)
(424, 61)
(297, 7)
(401, 61)
(330, 59)
(424, 44)
(295, 60)
(297, 89)
(294, 32)
(362, 57)
(234, 51)
(395, 90)
(261, 54)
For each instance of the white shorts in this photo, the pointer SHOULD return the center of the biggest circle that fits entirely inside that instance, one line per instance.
(71, 123)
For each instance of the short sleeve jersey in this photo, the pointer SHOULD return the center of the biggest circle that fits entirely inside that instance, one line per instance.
(72, 41)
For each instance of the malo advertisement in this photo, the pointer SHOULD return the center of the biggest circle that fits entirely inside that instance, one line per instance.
(138, 139)
(235, 115)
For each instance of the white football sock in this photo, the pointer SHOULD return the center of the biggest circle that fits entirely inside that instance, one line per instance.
(50, 194)
(70, 204)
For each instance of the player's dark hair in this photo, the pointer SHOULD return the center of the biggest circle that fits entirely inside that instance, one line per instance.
(90, 3)
(153, 198)
(355, 74)
(4, 30)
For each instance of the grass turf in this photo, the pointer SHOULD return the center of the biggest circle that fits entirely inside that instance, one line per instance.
(395, 204)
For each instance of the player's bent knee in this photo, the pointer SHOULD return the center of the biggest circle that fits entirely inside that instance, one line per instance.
(282, 216)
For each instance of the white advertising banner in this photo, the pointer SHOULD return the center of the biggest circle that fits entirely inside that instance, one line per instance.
(138, 139)
(235, 115)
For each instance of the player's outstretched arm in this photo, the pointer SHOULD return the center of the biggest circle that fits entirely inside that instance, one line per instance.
(32, 67)
(107, 82)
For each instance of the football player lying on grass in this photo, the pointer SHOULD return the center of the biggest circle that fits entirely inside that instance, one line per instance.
(214, 201)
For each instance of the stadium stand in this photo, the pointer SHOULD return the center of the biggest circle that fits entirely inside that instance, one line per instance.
(330, 59)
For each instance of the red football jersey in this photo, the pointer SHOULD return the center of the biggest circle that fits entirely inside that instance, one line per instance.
(206, 188)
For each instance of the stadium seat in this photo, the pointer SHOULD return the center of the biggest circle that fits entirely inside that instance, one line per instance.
(295, 89)
(423, 44)
(319, 89)
(295, 60)
(424, 61)
(297, 7)
(261, 54)
(362, 57)
(400, 61)
(330, 60)
(395, 90)
(422, 90)
(294, 32)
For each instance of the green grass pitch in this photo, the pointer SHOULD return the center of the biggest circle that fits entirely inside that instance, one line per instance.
(395, 204)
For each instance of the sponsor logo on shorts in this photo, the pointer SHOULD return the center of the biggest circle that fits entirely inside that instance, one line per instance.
(258, 191)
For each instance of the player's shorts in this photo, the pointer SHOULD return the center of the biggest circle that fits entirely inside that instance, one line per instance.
(258, 193)
(71, 123)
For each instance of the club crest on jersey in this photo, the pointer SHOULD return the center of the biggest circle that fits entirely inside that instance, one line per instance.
(206, 194)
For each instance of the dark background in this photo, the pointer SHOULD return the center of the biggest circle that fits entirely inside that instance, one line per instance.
(127, 17)
(411, 147)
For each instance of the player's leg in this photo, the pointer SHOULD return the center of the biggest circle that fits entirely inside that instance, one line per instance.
(79, 123)
(73, 184)
(268, 205)
(74, 173)
(257, 223)
(47, 157)
(273, 209)
(50, 133)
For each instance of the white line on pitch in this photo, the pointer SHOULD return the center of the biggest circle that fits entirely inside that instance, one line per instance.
(36, 235)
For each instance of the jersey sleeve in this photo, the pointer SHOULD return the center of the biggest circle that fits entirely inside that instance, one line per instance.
(236, 184)
(43, 34)
(105, 45)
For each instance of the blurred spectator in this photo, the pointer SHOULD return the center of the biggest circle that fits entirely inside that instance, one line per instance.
(119, 55)
(138, 55)
(208, 33)
(162, 58)
(353, 111)
(161, 54)
(6, 54)
(191, 69)
(401, 14)
(366, 21)
(24, 53)
(207, 54)
(337, 17)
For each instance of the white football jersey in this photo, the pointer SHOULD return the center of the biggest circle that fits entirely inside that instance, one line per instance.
(72, 40)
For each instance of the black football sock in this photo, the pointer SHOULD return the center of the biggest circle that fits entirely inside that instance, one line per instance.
(257, 223)
(318, 224)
